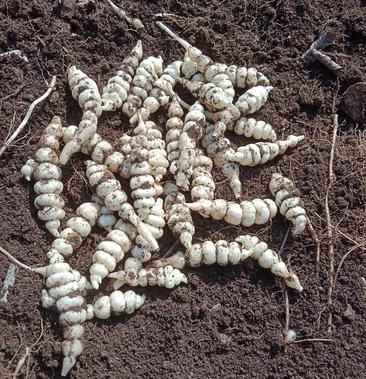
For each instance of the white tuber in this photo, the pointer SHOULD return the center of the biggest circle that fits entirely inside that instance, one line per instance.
(247, 213)
(224, 254)
(136, 23)
(288, 201)
(178, 215)
(251, 128)
(116, 303)
(116, 91)
(202, 183)
(190, 135)
(167, 276)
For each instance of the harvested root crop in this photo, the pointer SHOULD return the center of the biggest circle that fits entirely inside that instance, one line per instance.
(167, 276)
(191, 133)
(116, 91)
(45, 169)
(224, 254)
(85, 91)
(117, 303)
(136, 23)
(148, 71)
(289, 202)
(178, 215)
(251, 128)
(202, 184)
(247, 213)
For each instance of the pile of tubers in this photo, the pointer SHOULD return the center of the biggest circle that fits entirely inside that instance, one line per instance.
(183, 152)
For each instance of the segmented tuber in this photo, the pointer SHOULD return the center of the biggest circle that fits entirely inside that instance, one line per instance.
(289, 202)
(202, 184)
(117, 302)
(247, 213)
(116, 91)
(251, 128)
(85, 91)
(224, 254)
(178, 215)
(48, 186)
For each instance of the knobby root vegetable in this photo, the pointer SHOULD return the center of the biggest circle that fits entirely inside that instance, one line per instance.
(109, 189)
(250, 102)
(65, 291)
(158, 96)
(214, 98)
(99, 149)
(224, 254)
(109, 253)
(195, 61)
(202, 183)
(117, 303)
(191, 133)
(178, 215)
(107, 219)
(262, 152)
(174, 126)
(136, 23)
(116, 91)
(218, 148)
(85, 91)
(46, 171)
(247, 213)
(157, 155)
(167, 276)
(288, 201)
(147, 72)
(251, 128)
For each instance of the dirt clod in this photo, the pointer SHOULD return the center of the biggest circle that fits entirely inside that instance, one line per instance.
(354, 102)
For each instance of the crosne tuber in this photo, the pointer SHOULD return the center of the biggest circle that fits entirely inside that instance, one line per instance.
(116, 303)
(86, 92)
(191, 133)
(136, 23)
(224, 254)
(247, 213)
(116, 91)
(109, 189)
(167, 276)
(48, 186)
(147, 72)
(202, 184)
(178, 215)
(288, 201)
(251, 128)
(174, 126)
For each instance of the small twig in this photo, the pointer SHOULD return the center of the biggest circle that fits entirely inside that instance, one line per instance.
(41, 42)
(27, 116)
(134, 22)
(17, 54)
(329, 225)
(326, 61)
(14, 93)
(8, 282)
(317, 244)
(314, 340)
(344, 258)
(14, 260)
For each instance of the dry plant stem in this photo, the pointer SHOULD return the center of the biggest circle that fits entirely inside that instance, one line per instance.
(9, 281)
(15, 261)
(134, 22)
(343, 259)
(317, 244)
(9, 141)
(329, 226)
(13, 53)
(326, 61)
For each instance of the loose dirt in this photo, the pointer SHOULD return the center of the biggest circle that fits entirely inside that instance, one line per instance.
(227, 322)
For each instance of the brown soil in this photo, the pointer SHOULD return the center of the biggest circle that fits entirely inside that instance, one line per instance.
(227, 322)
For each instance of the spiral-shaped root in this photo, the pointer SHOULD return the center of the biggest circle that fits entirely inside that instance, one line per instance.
(251, 128)
(261, 152)
(247, 213)
(253, 99)
(202, 183)
(117, 303)
(65, 289)
(178, 215)
(116, 91)
(167, 277)
(108, 254)
(289, 202)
